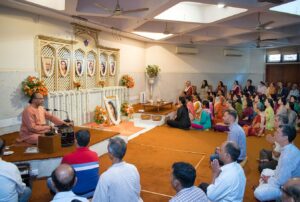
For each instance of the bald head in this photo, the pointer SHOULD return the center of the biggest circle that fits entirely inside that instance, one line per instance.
(63, 177)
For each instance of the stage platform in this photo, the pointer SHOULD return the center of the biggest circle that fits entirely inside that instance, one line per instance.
(42, 164)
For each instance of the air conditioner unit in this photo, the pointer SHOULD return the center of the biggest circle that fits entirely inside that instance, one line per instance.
(186, 50)
(233, 53)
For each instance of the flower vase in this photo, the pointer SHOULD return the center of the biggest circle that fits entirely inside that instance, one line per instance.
(151, 81)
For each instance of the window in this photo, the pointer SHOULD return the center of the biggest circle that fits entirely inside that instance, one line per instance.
(290, 57)
(274, 58)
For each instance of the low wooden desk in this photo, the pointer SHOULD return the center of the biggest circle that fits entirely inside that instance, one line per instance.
(157, 105)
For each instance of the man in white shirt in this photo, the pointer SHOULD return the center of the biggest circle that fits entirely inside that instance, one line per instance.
(121, 182)
(182, 180)
(12, 188)
(64, 178)
(288, 166)
(229, 181)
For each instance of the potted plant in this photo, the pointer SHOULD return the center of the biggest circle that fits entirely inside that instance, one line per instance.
(152, 71)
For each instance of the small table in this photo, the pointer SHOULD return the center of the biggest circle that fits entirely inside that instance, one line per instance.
(157, 105)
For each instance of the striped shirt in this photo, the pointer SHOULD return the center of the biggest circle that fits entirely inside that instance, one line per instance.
(191, 194)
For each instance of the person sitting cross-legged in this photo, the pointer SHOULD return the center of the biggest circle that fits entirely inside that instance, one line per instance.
(121, 182)
(229, 181)
(64, 178)
(182, 180)
(86, 165)
(288, 166)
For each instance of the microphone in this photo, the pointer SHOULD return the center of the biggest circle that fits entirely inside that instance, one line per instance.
(59, 110)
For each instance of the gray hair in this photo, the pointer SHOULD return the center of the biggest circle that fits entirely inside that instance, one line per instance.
(117, 147)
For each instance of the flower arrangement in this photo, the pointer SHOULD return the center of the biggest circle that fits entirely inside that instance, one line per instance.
(77, 84)
(127, 109)
(127, 81)
(152, 70)
(101, 83)
(33, 85)
(100, 115)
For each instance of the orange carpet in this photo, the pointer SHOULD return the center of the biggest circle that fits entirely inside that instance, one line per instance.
(125, 128)
(154, 152)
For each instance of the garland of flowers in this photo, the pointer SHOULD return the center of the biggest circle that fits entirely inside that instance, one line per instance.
(100, 115)
(127, 81)
(127, 109)
(33, 85)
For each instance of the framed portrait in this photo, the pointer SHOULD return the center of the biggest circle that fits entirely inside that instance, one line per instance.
(64, 67)
(91, 67)
(79, 67)
(112, 106)
(112, 65)
(103, 64)
(48, 66)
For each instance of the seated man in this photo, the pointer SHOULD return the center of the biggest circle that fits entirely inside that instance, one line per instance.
(12, 188)
(288, 166)
(236, 134)
(121, 182)
(291, 190)
(229, 181)
(34, 120)
(182, 180)
(86, 165)
(63, 178)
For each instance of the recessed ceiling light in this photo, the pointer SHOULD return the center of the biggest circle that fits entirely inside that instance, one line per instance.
(198, 12)
(221, 5)
(53, 4)
(153, 35)
(291, 8)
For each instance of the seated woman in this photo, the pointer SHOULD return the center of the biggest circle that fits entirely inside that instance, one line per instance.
(237, 105)
(182, 119)
(197, 105)
(248, 112)
(221, 87)
(294, 100)
(281, 109)
(204, 89)
(188, 91)
(258, 124)
(190, 107)
(236, 89)
(220, 108)
(204, 121)
(270, 117)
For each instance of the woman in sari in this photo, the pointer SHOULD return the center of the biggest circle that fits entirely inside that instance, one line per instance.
(270, 117)
(204, 120)
(258, 124)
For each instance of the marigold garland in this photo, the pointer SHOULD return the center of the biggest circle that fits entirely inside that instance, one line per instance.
(127, 81)
(100, 115)
(33, 85)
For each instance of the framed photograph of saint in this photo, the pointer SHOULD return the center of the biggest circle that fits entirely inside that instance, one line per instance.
(91, 67)
(64, 67)
(48, 66)
(103, 64)
(112, 106)
(112, 65)
(79, 67)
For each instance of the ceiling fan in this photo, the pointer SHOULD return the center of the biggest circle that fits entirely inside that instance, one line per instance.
(118, 10)
(272, 1)
(262, 26)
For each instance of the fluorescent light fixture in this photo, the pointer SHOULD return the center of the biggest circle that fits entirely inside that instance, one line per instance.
(198, 12)
(291, 8)
(153, 35)
(53, 4)
(221, 5)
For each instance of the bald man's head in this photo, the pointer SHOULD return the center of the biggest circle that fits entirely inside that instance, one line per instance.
(63, 177)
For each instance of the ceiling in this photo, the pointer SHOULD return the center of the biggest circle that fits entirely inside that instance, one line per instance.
(239, 30)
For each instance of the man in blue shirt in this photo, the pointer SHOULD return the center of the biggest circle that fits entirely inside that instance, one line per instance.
(12, 188)
(288, 166)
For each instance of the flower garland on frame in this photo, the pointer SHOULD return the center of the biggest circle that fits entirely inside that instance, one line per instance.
(127, 81)
(33, 85)
(127, 109)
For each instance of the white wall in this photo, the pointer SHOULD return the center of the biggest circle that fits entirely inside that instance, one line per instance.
(17, 61)
(17, 57)
(210, 63)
